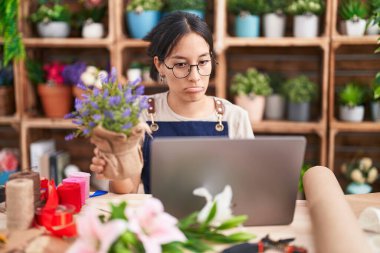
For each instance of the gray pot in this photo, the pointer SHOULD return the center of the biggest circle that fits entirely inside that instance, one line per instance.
(299, 111)
(53, 29)
(375, 108)
(351, 114)
(275, 107)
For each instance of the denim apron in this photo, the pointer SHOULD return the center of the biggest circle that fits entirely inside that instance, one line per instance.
(179, 128)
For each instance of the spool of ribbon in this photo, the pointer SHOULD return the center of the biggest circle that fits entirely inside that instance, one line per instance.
(20, 203)
(70, 194)
(82, 183)
(35, 177)
(56, 219)
(44, 190)
(84, 175)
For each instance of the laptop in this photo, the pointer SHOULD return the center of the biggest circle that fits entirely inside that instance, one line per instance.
(263, 173)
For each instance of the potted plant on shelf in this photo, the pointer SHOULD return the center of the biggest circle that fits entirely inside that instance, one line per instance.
(275, 18)
(250, 90)
(353, 14)
(306, 17)
(196, 7)
(142, 16)
(299, 92)
(134, 71)
(52, 19)
(7, 95)
(247, 16)
(375, 99)
(55, 95)
(373, 21)
(275, 103)
(71, 74)
(352, 98)
(90, 18)
(361, 173)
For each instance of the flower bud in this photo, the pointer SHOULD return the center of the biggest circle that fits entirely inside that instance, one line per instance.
(365, 163)
(372, 175)
(357, 176)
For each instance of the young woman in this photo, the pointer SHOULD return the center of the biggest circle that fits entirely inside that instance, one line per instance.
(181, 49)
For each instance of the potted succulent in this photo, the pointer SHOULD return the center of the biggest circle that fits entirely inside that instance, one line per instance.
(375, 99)
(306, 17)
(299, 92)
(55, 95)
(142, 16)
(196, 7)
(352, 98)
(247, 13)
(52, 19)
(90, 18)
(275, 103)
(275, 18)
(361, 173)
(353, 14)
(250, 89)
(373, 21)
(7, 95)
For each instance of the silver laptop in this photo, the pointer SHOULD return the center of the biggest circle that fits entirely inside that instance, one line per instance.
(263, 173)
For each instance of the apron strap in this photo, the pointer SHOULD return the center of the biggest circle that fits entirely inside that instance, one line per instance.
(219, 107)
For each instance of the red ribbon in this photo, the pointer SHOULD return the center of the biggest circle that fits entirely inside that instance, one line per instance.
(70, 194)
(56, 219)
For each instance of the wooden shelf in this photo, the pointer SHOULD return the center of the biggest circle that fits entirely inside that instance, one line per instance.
(133, 43)
(50, 123)
(277, 42)
(267, 126)
(67, 42)
(347, 40)
(8, 120)
(365, 126)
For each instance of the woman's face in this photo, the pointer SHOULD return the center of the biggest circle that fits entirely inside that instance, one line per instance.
(191, 49)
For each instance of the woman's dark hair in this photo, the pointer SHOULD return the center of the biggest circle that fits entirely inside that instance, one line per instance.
(170, 30)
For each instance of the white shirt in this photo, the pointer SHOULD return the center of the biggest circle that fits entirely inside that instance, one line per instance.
(239, 126)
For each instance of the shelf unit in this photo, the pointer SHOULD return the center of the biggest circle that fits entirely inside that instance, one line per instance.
(121, 49)
(349, 48)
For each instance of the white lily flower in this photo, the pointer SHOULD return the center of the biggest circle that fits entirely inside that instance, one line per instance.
(223, 205)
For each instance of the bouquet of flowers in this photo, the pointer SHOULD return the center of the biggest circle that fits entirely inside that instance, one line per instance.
(110, 115)
(53, 73)
(360, 171)
(147, 228)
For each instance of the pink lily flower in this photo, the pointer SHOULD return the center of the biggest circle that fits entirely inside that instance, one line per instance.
(94, 236)
(153, 226)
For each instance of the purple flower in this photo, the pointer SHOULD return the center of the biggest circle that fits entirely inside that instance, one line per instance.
(105, 94)
(70, 115)
(72, 72)
(94, 105)
(113, 75)
(69, 137)
(81, 86)
(103, 77)
(96, 92)
(85, 113)
(108, 114)
(114, 100)
(144, 103)
(140, 90)
(86, 131)
(78, 104)
(136, 82)
(97, 117)
(127, 112)
(127, 126)
(128, 96)
(92, 124)
(78, 121)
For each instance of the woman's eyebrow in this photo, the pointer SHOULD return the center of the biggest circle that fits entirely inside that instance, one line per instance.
(184, 58)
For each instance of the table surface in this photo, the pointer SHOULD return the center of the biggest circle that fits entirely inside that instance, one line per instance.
(301, 228)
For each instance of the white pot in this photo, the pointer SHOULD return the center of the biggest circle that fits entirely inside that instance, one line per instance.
(274, 25)
(133, 74)
(306, 26)
(93, 30)
(375, 108)
(146, 77)
(351, 114)
(355, 28)
(275, 107)
(373, 29)
(254, 105)
(54, 29)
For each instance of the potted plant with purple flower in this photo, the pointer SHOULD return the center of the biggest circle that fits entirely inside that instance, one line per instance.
(72, 75)
(110, 115)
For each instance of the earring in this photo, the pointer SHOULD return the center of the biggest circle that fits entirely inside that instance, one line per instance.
(162, 79)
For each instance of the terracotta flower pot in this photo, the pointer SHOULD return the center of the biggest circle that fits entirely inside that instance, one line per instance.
(56, 100)
(7, 100)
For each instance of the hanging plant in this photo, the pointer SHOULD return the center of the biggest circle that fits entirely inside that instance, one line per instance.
(13, 46)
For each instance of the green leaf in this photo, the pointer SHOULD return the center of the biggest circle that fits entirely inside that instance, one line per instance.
(233, 222)
(188, 221)
(210, 216)
(173, 247)
(197, 245)
(240, 237)
(117, 211)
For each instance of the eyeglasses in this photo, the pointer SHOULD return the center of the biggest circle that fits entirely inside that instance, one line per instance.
(182, 70)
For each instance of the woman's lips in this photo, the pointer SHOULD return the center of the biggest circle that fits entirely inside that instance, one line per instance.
(194, 89)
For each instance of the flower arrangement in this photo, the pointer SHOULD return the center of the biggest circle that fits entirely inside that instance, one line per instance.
(301, 7)
(91, 77)
(147, 228)
(114, 106)
(251, 82)
(8, 160)
(53, 73)
(360, 170)
(144, 5)
(71, 73)
(51, 12)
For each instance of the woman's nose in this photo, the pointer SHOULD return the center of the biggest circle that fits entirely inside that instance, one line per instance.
(194, 74)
